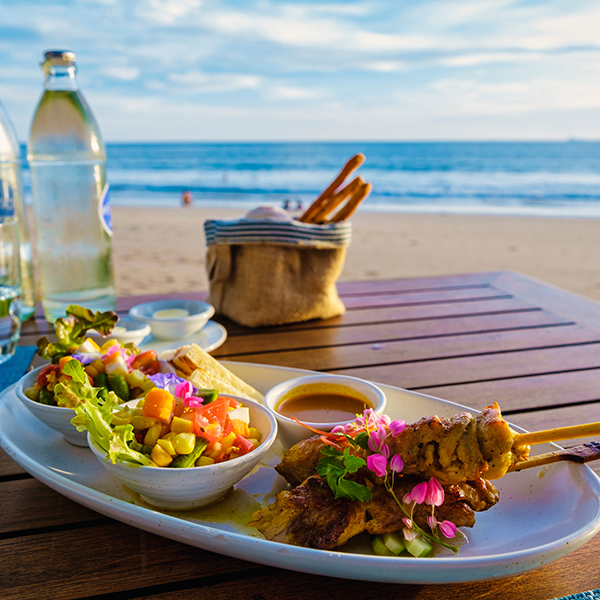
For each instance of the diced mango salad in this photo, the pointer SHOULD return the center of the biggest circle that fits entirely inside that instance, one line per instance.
(181, 429)
(114, 367)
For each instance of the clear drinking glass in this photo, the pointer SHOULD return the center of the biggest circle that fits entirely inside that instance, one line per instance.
(10, 288)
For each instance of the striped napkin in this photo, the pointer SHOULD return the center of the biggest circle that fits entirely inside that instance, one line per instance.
(589, 595)
(275, 231)
(14, 368)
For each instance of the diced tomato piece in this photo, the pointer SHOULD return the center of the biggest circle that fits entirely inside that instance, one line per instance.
(146, 362)
(42, 378)
(211, 420)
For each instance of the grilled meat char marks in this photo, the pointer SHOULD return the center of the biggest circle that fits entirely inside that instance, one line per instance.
(310, 516)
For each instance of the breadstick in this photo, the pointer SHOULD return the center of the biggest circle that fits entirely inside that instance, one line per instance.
(331, 203)
(559, 433)
(348, 209)
(579, 454)
(350, 166)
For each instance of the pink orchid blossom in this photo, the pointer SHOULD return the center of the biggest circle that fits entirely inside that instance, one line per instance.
(397, 427)
(435, 493)
(396, 464)
(184, 389)
(448, 529)
(378, 464)
(419, 492)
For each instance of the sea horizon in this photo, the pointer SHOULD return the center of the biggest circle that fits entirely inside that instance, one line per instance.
(525, 178)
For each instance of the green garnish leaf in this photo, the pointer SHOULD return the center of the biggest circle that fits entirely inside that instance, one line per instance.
(71, 331)
(334, 466)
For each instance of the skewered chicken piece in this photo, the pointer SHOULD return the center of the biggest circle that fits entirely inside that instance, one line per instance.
(451, 449)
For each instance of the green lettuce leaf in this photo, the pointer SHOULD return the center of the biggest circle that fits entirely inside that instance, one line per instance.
(95, 416)
(71, 331)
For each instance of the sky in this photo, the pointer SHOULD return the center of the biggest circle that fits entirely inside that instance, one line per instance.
(232, 70)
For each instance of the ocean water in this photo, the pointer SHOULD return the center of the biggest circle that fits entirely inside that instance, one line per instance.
(512, 178)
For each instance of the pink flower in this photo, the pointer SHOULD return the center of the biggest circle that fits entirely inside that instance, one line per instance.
(339, 429)
(407, 498)
(396, 464)
(377, 443)
(432, 522)
(419, 492)
(448, 529)
(397, 427)
(409, 534)
(435, 493)
(378, 464)
(407, 522)
(184, 389)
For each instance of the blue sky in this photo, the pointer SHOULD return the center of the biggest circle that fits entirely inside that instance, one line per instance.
(360, 70)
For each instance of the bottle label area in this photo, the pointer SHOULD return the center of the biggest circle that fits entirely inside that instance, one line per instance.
(104, 211)
(7, 200)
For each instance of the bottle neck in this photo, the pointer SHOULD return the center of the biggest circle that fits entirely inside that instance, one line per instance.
(60, 77)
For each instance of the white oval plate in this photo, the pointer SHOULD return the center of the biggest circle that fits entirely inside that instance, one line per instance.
(209, 338)
(538, 519)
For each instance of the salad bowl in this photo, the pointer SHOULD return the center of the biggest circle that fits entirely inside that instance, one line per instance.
(126, 330)
(55, 417)
(194, 487)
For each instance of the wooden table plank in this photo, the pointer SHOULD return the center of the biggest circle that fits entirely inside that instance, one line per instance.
(471, 338)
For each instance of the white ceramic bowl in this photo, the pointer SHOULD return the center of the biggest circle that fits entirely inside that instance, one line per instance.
(126, 330)
(55, 417)
(291, 432)
(174, 328)
(183, 489)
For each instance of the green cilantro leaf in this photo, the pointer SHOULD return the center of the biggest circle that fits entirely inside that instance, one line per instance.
(334, 466)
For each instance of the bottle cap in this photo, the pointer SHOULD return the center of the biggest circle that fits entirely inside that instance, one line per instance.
(58, 58)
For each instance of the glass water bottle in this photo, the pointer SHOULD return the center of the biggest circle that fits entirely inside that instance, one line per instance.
(71, 204)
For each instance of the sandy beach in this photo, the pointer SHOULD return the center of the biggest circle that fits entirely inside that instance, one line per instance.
(163, 249)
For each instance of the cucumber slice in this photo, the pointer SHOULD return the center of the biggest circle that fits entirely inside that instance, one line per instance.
(379, 547)
(394, 542)
(419, 547)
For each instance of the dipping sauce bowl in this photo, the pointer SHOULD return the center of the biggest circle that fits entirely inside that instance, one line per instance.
(322, 402)
(173, 319)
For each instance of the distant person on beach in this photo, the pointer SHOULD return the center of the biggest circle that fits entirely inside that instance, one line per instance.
(286, 205)
(186, 198)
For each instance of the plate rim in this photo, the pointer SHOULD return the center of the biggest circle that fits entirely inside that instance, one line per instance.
(147, 345)
(443, 569)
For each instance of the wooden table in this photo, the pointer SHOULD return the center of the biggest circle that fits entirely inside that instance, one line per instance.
(471, 338)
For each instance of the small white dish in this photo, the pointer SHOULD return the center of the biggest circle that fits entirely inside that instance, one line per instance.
(173, 319)
(210, 337)
(55, 417)
(291, 432)
(126, 330)
(184, 489)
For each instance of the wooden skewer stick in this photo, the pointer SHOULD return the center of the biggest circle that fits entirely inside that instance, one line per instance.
(331, 203)
(348, 209)
(559, 433)
(350, 166)
(579, 454)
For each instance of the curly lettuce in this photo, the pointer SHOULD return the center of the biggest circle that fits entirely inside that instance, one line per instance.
(96, 416)
(71, 331)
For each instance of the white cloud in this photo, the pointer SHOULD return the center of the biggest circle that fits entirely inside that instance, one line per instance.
(122, 73)
(216, 82)
(284, 92)
(167, 12)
